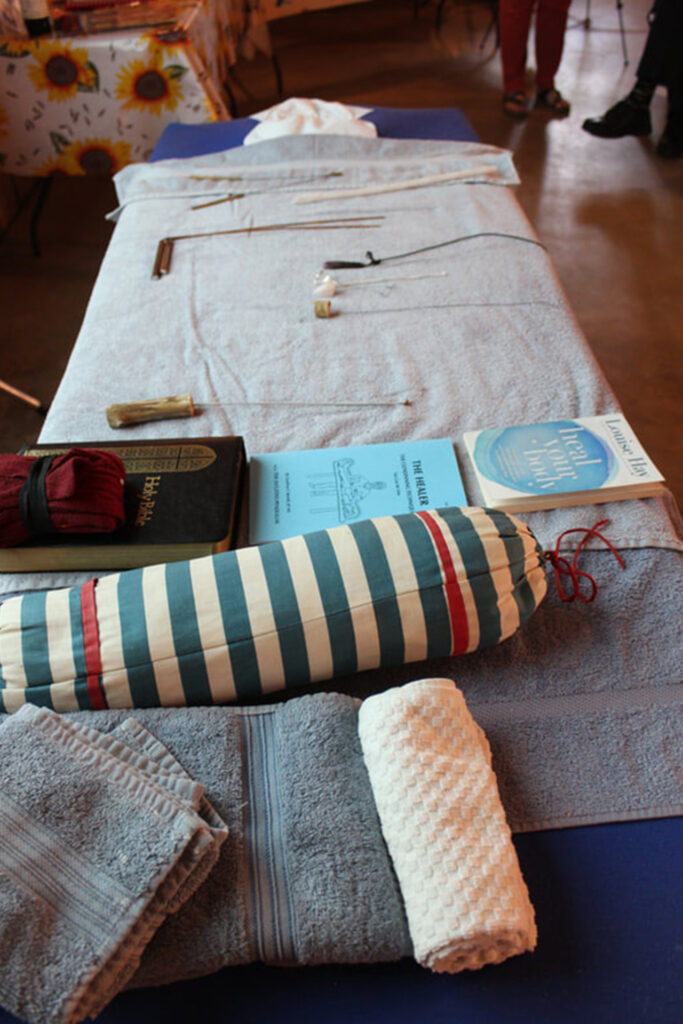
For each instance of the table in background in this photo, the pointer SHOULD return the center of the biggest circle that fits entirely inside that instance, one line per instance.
(244, 23)
(91, 104)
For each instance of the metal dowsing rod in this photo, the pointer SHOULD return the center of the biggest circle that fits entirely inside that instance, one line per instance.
(374, 261)
(162, 261)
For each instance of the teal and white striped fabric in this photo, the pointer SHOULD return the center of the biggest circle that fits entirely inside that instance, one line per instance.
(237, 625)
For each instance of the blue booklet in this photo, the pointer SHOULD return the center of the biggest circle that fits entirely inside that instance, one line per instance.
(301, 491)
(561, 462)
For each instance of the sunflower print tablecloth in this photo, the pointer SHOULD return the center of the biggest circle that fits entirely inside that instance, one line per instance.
(91, 104)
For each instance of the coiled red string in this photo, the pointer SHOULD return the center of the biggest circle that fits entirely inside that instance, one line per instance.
(563, 567)
(82, 491)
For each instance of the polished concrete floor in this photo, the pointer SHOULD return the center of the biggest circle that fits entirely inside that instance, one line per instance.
(611, 212)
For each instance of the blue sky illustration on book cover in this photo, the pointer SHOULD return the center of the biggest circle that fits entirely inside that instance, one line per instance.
(556, 457)
(302, 491)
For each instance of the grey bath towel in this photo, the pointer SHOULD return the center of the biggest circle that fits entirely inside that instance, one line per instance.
(98, 844)
(304, 876)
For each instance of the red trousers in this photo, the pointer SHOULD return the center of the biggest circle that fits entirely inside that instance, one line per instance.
(515, 18)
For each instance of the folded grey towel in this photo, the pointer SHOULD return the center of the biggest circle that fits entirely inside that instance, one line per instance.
(304, 876)
(98, 844)
(137, 737)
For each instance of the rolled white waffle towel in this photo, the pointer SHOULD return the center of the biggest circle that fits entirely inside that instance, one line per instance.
(430, 769)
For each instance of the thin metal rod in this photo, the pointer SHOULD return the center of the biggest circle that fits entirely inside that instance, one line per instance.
(464, 238)
(620, 14)
(373, 261)
(383, 280)
(331, 222)
(330, 405)
(289, 185)
(266, 177)
(217, 202)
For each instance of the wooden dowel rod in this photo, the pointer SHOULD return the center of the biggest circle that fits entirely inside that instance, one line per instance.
(22, 396)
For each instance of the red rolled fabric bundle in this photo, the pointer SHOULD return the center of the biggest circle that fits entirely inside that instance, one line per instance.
(78, 492)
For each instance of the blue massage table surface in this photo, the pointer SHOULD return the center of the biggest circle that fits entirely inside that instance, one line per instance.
(186, 140)
(607, 901)
(608, 898)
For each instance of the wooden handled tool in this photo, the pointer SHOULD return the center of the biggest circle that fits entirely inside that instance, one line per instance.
(126, 414)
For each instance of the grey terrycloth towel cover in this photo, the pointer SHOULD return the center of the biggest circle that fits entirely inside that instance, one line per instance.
(98, 844)
(304, 876)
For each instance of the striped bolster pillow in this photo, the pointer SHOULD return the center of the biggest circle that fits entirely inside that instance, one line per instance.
(247, 622)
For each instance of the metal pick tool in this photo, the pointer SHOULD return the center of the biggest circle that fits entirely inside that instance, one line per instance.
(127, 414)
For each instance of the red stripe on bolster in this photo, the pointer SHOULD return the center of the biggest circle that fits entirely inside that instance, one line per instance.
(91, 644)
(456, 606)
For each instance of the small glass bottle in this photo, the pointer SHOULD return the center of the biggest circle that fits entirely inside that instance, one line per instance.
(36, 15)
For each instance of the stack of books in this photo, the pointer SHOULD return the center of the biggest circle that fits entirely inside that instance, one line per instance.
(182, 500)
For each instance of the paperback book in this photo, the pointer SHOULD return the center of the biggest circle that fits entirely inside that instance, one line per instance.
(561, 462)
(182, 500)
(301, 491)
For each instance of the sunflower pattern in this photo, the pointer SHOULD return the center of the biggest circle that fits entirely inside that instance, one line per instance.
(51, 165)
(143, 84)
(95, 157)
(14, 48)
(164, 42)
(88, 106)
(61, 70)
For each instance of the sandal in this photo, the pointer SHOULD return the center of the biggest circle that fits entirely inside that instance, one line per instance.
(515, 104)
(553, 101)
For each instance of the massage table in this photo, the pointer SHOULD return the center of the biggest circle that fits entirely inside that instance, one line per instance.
(607, 889)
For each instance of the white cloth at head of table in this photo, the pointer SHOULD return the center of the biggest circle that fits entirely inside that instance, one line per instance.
(297, 116)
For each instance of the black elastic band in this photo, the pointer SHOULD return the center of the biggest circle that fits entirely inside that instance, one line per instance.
(33, 507)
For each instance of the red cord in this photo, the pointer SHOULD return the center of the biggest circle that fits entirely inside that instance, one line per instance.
(563, 567)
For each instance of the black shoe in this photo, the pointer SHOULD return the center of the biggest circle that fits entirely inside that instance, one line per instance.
(670, 145)
(621, 119)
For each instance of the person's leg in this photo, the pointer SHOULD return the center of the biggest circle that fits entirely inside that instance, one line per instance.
(514, 19)
(671, 143)
(661, 63)
(551, 22)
